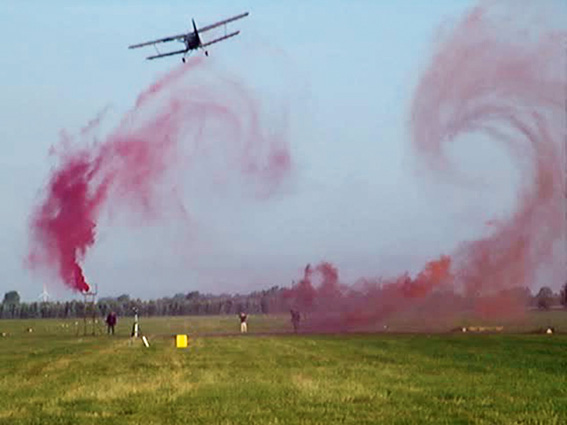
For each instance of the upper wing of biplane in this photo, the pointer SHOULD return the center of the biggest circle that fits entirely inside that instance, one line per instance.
(224, 22)
(160, 40)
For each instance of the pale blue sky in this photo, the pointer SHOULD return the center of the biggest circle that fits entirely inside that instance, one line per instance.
(345, 70)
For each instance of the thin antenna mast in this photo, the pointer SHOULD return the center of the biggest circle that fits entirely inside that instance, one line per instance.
(89, 309)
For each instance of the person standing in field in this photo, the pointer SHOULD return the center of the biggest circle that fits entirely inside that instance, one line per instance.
(295, 318)
(111, 322)
(243, 327)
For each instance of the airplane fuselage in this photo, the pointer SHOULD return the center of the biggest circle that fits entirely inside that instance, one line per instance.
(192, 41)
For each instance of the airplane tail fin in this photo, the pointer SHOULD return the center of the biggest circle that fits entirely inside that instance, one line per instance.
(196, 31)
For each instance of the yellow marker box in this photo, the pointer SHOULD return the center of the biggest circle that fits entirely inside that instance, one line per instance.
(181, 341)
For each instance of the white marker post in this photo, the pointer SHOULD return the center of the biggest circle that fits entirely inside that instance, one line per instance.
(136, 330)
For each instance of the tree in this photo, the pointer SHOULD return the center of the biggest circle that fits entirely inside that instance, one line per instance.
(193, 295)
(544, 298)
(12, 301)
(11, 298)
(563, 295)
(124, 298)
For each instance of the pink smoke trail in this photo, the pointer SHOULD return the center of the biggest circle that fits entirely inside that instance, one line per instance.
(490, 75)
(495, 77)
(185, 111)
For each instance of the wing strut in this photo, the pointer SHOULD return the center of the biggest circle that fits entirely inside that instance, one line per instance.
(221, 38)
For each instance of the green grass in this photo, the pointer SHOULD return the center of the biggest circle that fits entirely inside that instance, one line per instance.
(53, 376)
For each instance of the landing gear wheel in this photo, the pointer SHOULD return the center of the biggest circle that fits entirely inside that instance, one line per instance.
(183, 59)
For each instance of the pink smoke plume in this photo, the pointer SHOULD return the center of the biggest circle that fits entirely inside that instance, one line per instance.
(330, 305)
(494, 77)
(489, 76)
(173, 122)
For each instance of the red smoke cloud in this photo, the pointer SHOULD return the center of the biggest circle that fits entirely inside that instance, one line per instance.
(308, 296)
(178, 117)
(330, 306)
(494, 77)
(489, 76)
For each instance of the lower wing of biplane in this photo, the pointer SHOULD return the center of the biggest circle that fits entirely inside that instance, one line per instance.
(192, 39)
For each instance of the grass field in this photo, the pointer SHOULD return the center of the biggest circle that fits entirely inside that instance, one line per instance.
(53, 376)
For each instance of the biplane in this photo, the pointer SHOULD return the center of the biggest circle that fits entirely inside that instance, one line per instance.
(192, 39)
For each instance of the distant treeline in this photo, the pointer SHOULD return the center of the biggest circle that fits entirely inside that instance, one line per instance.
(273, 300)
(192, 303)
